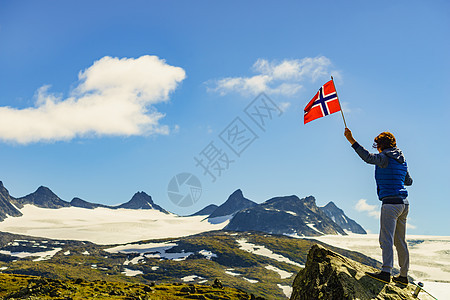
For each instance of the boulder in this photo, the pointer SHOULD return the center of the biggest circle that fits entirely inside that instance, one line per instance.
(328, 275)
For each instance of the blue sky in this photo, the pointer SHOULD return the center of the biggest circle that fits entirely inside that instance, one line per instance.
(101, 99)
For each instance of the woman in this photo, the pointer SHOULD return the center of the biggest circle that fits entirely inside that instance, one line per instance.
(391, 175)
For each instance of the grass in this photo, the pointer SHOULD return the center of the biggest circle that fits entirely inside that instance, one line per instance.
(25, 286)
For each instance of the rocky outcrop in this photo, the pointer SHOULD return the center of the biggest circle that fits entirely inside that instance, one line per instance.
(328, 275)
(338, 216)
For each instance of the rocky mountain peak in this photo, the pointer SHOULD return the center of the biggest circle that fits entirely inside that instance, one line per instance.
(45, 191)
(237, 193)
(6, 208)
(338, 216)
(235, 202)
(141, 200)
(331, 205)
(3, 190)
(310, 202)
(42, 197)
(328, 275)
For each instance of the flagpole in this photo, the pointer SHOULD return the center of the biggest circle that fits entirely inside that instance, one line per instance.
(342, 112)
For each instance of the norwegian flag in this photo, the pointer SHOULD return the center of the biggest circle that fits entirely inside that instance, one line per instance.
(324, 103)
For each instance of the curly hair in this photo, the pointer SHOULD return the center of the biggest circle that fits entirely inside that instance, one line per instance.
(385, 140)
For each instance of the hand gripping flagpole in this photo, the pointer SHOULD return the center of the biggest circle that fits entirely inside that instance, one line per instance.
(342, 112)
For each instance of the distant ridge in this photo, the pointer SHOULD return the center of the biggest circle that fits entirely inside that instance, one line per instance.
(206, 211)
(77, 202)
(43, 197)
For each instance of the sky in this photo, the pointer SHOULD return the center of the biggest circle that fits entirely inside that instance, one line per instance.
(101, 99)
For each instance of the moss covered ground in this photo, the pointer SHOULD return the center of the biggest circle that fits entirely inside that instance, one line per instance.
(95, 268)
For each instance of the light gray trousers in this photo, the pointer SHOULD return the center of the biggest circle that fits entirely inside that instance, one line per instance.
(392, 232)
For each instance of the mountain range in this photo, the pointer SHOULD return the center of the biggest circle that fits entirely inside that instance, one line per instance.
(288, 215)
(43, 197)
(285, 215)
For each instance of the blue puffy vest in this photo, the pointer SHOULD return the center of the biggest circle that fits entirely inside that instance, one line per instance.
(391, 180)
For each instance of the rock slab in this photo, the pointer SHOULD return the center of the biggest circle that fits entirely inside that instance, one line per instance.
(328, 275)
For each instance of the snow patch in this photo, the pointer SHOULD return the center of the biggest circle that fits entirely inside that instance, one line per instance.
(251, 280)
(294, 235)
(134, 261)
(291, 212)
(437, 289)
(104, 225)
(220, 220)
(312, 226)
(232, 273)
(283, 274)
(151, 250)
(287, 290)
(191, 278)
(207, 254)
(263, 251)
(129, 272)
(46, 255)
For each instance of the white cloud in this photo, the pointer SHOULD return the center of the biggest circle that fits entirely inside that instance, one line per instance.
(371, 210)
(284, 106)
(113, 97)
(283, 78)
(410, 226)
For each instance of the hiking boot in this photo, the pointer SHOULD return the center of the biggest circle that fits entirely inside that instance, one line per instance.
(381, 276)
(400, 279)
